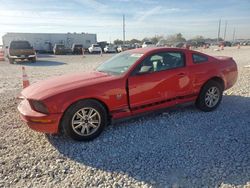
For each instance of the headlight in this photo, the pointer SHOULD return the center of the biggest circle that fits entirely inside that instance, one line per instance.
(38, 106)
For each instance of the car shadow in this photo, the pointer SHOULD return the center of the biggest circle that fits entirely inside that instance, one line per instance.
(189, 148)
(46, 56)
(39, 63)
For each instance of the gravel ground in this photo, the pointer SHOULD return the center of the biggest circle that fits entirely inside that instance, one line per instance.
(181, 147)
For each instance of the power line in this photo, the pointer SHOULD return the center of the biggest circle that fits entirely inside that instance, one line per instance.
(225, 32)
(234, 35)
(123, 18)
(219, 31)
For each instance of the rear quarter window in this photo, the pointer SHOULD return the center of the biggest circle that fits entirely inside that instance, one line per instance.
(197, 58)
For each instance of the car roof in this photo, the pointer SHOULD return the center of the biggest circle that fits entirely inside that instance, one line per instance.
(155, 49)
(19, 41)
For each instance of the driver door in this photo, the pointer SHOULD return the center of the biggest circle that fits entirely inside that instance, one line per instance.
(155, 82)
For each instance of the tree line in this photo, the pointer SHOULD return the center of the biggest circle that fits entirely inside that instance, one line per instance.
(171, 39)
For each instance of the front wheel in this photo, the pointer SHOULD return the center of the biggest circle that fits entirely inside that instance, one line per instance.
(11, 61)
(210, 96)
(84, 120)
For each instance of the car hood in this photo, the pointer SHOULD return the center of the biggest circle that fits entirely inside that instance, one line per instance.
(55, 85)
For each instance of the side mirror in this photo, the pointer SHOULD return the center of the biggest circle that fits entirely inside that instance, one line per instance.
(144, 69)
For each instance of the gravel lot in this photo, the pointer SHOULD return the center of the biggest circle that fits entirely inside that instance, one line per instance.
(181, 147)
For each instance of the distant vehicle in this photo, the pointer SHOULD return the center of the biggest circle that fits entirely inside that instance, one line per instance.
(21, 50)
(95, 48)
(77, 48)
(147, 44)
(125, 47)
(235, 43)
(132, 82)
(110, 49)
(245, 43)
(179, 44)
(59, 49)
(137, 45)
(225, 43)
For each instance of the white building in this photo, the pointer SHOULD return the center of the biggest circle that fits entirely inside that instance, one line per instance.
(46, 41)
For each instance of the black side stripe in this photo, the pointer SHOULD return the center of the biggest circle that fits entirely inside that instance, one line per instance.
(163, 101)
(127, 109)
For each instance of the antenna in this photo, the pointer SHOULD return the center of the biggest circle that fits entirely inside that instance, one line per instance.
(123, 18)
(225, 32)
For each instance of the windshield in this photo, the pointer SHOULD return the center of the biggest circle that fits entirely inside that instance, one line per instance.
(96, 45)
(120, 63)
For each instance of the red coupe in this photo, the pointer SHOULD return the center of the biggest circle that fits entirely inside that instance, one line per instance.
(132, 82)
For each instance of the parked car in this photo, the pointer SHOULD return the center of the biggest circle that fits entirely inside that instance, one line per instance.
(179, 45)
(147, 44)
(110, 49)
(225, 43)
(122, 48)
(59, 49)
(130, 83)
(77, 48)
(20, 50)
(95, 48)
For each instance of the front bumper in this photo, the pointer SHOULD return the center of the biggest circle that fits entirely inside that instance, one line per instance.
(47, 123)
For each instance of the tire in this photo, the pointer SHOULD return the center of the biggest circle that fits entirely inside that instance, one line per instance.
(11, 61)
(206, 101)
(77, 113)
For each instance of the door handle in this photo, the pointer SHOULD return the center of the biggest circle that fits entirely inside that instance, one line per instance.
(181, 74)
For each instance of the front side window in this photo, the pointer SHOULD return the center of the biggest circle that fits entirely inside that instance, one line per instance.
(162, 61)
(197, 58)
(120, 63)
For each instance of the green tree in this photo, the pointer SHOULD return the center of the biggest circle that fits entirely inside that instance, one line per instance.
(133, 41)
(176, 38)
(118, 42)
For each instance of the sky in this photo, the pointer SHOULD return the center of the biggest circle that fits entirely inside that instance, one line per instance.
(144, 18)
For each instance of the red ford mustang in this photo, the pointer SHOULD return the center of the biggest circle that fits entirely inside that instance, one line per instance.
(129, 83)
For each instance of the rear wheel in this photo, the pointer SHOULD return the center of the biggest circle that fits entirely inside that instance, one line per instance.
(84, 120)
(210, 96)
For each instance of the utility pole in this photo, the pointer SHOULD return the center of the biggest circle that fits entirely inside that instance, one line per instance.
(234, 35)
(123, 18)
(225, 32)
(219, 31)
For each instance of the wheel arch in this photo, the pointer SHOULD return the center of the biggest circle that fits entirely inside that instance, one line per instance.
(95, 99)
(216, 79)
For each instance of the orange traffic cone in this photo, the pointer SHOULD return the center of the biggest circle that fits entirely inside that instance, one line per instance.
(26, 82)
(1, 55)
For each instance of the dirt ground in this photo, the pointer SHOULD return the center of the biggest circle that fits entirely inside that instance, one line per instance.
(182, 148)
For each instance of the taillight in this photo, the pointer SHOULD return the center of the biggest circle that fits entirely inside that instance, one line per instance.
(38, 106)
